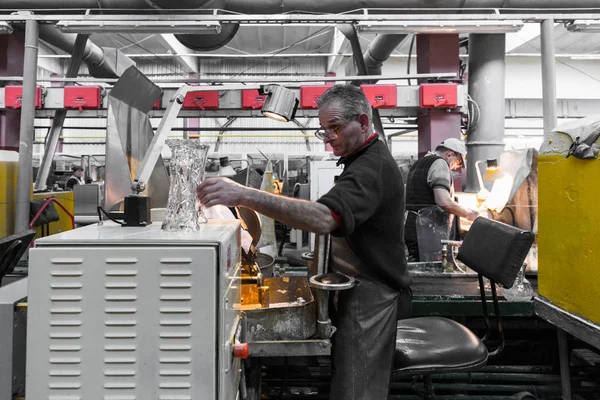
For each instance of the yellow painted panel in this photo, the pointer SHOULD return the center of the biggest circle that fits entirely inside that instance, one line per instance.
(67, 200)
(569, 234)
(8, 197)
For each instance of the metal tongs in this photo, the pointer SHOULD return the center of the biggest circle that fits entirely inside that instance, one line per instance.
(251, 223)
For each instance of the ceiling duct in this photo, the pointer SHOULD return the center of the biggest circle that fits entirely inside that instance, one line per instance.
(102, 62)
(380, 50)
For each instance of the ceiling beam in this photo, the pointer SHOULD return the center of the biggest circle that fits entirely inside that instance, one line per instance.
(339, 46)
(190, 64)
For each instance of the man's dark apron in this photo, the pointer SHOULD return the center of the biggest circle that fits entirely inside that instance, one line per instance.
(365, 318)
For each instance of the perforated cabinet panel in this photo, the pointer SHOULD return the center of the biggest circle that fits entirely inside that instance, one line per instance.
(121, 350)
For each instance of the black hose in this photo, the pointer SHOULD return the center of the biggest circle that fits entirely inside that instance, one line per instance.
(103, 211)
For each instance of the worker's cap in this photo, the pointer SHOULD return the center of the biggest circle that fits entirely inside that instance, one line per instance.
(457, 146)
(77, 168)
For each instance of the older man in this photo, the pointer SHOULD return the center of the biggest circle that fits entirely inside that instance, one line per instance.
(429, 183)
(364, 213)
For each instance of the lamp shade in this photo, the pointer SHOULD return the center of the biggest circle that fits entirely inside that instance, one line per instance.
(493, 171)
(281, 104)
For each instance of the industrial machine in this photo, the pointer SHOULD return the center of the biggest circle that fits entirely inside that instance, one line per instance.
(134, 312)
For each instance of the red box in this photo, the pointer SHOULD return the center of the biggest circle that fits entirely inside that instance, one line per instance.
(309, 95)
(157, 104)
(82, 97)
(13, 96)
(381, 96)
(207, 100)
(434, 95)
(252, 99)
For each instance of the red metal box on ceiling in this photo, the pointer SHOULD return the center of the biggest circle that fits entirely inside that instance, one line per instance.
(251, 99)
(381, 96)
(202, 100)
(157, 104)
(13, 96)
(435, 95)
(309, 95)
(82, 97)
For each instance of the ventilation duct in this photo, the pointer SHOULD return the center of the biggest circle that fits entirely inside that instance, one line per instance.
(102, 62)
(380, 50)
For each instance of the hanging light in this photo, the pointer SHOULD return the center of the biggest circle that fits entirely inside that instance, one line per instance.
(281, 103)
(493, 171)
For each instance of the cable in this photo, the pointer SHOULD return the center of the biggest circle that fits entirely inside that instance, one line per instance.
(103, 211)
(410, 49)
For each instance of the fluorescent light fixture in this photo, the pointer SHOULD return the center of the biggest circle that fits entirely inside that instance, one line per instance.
(583, 26)
(175, 27)
(281, 103)
(440, 26)
(586, 57)
(5, 28)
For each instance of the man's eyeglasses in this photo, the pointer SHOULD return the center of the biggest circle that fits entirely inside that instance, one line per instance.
(334, 132)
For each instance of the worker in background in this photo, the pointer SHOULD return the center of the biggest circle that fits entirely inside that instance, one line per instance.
(429, 183)
(76, 178)
(364, 213)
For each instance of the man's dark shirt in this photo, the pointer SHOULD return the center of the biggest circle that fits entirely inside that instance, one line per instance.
(369, 200)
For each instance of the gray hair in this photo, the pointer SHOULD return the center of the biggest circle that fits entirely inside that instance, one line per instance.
(350, 98)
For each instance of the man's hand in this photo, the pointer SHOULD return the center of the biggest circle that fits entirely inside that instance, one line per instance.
(223, 191)
(471, 215)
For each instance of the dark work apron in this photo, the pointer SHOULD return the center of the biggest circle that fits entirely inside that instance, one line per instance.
(364, 342)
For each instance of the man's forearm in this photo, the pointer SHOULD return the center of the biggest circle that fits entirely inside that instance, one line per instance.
(456, 209)
(299, 214)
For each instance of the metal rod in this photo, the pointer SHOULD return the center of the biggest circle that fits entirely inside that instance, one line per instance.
(59, 117)
(563, 355)
(27, 133)
(299, 79)
(548, 75)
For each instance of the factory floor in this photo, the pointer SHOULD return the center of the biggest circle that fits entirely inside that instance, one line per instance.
(529, 362)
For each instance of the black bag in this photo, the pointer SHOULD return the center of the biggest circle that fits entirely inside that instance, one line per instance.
(48, 215)
(495, 250)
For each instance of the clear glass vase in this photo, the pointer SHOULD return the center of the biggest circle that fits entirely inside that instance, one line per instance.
(521, 290)
(188, 159)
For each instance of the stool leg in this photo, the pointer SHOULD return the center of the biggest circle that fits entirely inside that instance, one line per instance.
(563, 356)
(428, 388)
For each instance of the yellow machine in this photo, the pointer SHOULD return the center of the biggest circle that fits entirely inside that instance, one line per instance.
(569, 228)
(8, 198)
(8, 191)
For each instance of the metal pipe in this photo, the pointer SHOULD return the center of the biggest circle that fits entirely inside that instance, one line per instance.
(485, 138)
(380, 50)
(548, 75)
(317, 6)
(25, 172)
(92, 54)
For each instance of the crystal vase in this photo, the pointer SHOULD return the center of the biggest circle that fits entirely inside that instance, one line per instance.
(521, 290)
(188, 159)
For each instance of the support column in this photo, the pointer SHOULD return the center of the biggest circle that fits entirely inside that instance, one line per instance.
(485, 138)
(27, 126)
(12, 48)
(437, 53)
(548, 75)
